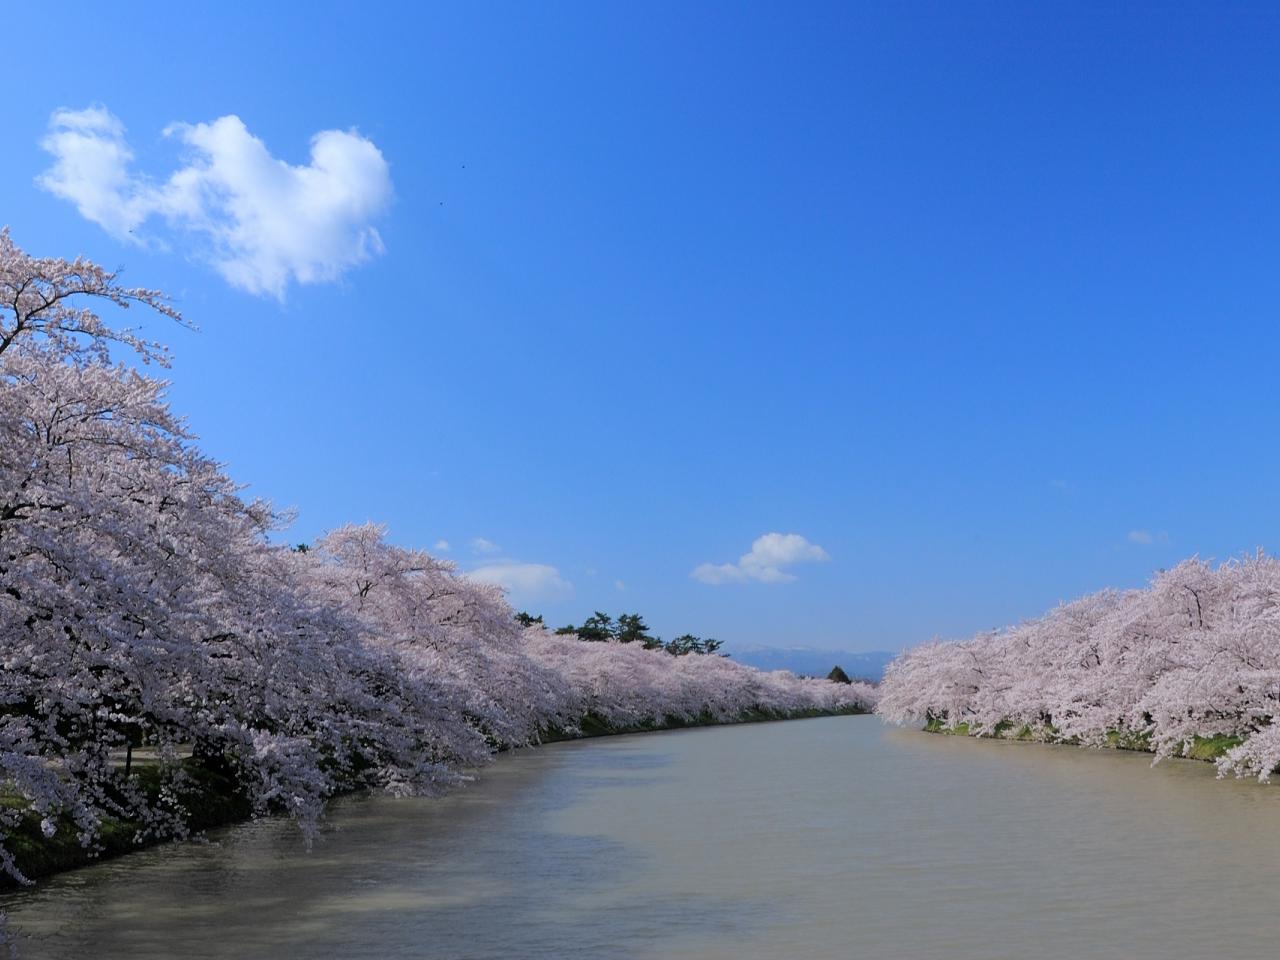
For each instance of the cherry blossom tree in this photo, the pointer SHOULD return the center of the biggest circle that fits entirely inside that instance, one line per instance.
(143, 603)
(1194, 656)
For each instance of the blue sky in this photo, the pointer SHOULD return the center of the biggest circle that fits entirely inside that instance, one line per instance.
(979, 300)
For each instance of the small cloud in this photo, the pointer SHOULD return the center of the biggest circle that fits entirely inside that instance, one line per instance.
(524, 582)
(620, 586)
(481, 545)
(441, 546)
(261, 222)
(766, 561)
(1060, 485)
(1146, 537)
(717, 573)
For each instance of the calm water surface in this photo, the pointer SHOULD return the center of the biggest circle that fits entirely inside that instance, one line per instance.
(832, 838)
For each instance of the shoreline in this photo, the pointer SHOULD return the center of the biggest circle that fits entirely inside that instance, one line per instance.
(215, 803)
(1205, 749)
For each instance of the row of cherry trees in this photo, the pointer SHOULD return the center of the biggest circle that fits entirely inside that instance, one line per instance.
(1194, 655)
(142, 603)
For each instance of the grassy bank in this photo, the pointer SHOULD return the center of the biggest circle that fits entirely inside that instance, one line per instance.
(210, 799)
(1201, 748)
(593, 726)
(214, 802)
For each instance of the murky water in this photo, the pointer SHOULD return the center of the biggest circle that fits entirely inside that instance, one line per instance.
(833, 838)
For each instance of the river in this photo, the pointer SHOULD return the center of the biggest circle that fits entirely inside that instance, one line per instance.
(833, 838)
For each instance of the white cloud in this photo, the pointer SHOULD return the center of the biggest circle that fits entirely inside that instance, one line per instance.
(524, 581)
(481, 545)
(769, 555)
(619, 586)
(260, 221)
(91, 169)
(1146, 537)
(441, 546)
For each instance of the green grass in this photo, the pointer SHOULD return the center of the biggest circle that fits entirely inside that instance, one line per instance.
(1211, 748)
(211, 800)
(1202, 748)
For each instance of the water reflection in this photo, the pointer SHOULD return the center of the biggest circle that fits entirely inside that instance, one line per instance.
(816, 839)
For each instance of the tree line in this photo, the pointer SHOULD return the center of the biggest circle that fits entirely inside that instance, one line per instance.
(145, 602)
(1189, 664)
(600, 627)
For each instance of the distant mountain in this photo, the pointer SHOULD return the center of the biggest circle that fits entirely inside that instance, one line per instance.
(815, 663)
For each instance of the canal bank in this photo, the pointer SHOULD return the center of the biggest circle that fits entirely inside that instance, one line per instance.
(213, 801)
